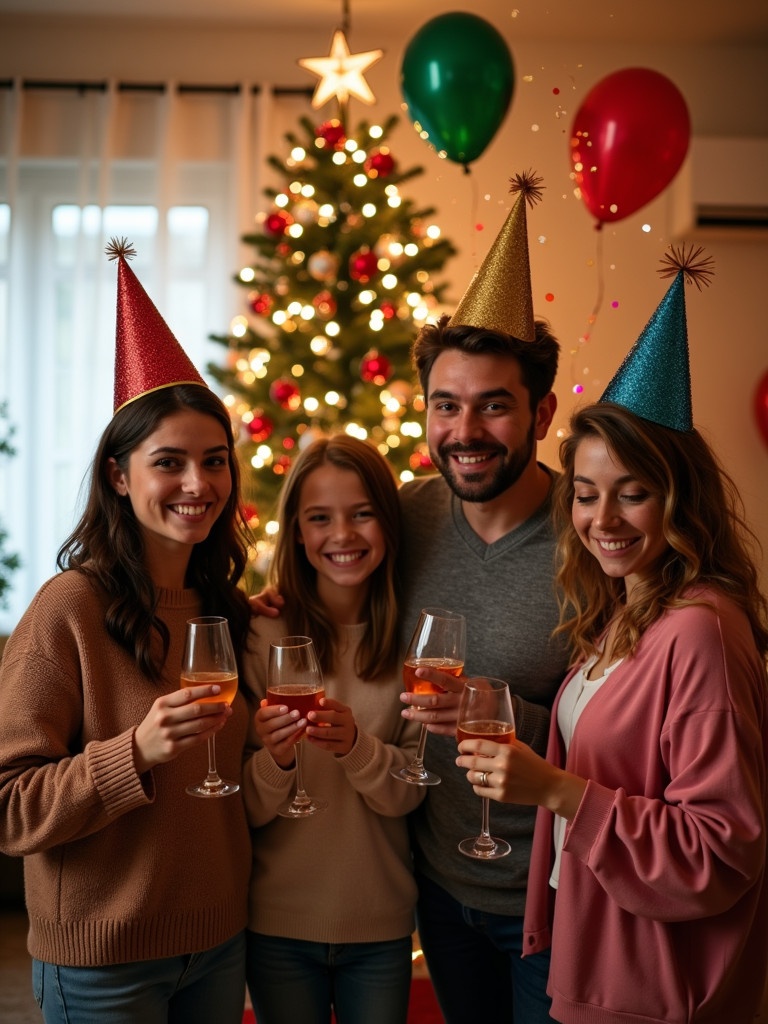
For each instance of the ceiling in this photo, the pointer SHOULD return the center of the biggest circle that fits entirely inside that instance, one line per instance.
(644, 21)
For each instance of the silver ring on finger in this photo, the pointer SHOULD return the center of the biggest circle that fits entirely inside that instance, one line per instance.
(483, 778)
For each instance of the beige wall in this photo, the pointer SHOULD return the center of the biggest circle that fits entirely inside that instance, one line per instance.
(725, 89)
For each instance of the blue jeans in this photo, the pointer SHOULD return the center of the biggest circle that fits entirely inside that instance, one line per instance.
(474, 960)
(297, 981)
(197, 988)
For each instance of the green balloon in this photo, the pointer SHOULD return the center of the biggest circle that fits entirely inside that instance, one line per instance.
(457, 79)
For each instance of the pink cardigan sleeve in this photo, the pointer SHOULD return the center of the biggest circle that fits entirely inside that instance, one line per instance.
(685, 836)
(672, 824)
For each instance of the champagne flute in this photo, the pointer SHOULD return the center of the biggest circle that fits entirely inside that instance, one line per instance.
(439, 641)
(294, 678)
(210, 658)
(485, 713)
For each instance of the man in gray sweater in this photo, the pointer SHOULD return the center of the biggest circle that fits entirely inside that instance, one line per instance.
(477, 539)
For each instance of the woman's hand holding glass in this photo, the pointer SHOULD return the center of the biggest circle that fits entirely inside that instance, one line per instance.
(515, 774)
(177, 722)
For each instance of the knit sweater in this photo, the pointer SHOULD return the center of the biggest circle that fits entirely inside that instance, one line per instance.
(661, 911)
(345, 874)
(118, 866)
(507, 594)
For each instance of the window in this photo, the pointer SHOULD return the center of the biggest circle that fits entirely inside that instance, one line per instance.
(171, 172)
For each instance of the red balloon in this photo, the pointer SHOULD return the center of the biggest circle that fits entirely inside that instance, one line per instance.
(628, 141)
(761, 407)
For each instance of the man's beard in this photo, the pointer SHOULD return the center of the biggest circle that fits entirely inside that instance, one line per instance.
(469, 486)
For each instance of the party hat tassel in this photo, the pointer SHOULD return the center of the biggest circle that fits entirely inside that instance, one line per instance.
(654, 380)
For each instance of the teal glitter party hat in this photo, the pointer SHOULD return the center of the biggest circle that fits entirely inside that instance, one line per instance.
(654, 381)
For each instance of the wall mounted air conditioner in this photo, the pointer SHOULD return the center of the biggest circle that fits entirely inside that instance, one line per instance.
(722, 190)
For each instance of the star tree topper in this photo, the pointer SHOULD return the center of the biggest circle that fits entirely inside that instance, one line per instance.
(341, 72)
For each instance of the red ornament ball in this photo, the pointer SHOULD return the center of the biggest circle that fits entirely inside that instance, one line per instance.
(281, 465)
(250, 514)
(261, 304)
(260, 427)
(363, 265)
(375, 368)
(277, 222)
(285, 393)
(332, 133)
(325, 305)
(380, 164)
(420, 460)
(389, 309)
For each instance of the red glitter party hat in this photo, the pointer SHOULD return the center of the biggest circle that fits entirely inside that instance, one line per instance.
(147, 355)
(499, 295)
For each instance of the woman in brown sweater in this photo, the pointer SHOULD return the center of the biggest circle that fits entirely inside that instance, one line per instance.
(136, 891)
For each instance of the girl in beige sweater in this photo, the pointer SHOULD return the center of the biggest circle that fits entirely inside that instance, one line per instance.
(332, 897)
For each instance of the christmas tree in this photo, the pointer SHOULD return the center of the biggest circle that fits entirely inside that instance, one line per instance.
(340, 282)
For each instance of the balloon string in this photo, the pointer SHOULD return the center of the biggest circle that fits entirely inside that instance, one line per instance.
(586, 336)
(473, 232)
(600, 277)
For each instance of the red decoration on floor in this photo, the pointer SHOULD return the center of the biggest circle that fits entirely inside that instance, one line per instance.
(423, 1008)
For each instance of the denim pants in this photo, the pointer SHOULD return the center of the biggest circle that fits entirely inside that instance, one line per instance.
(291, 980)
(474, 960)
(198, 988)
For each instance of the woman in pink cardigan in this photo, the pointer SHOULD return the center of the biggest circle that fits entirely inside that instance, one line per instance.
(648, 867)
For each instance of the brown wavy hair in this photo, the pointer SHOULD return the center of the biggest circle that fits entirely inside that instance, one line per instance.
(296, 579)
(107, 546)
(709, 541)
(538, 358)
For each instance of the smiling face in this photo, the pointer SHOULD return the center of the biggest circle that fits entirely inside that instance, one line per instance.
(178, 480)
(617, 518)
(340, 531)
(480, 429)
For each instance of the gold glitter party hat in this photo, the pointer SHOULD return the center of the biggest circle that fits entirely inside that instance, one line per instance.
(499, 295)
(147, 355)
(654, 380)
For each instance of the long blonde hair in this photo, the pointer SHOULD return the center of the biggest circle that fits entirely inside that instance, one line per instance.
(709, 541)
(296, 579)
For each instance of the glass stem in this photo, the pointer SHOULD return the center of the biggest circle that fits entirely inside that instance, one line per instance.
(301, 796)
(212, 779)
(484, 841)
(417, 764)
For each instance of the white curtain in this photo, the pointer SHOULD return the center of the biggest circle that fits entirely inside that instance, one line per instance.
(179, 171)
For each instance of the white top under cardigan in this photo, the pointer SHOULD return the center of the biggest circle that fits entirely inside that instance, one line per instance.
(577, 694)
